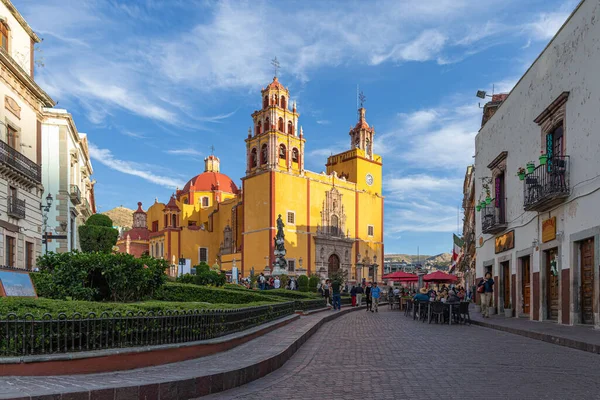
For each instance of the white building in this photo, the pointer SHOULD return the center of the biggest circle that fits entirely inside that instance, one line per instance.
(540, 237)
(21, 185)
(66, 172)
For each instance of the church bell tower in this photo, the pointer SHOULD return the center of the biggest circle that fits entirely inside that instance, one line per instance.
(275, 142)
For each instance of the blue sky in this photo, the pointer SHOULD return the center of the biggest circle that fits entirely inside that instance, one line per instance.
(156, 83)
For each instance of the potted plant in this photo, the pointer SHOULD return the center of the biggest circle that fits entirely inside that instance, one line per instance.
(488, 200)
(521, 173)
(478, 207)
(482, 204)
(543, 158)
(508, 312)
(530, 167)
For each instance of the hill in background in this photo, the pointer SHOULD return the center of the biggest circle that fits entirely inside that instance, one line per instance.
(443, 259)
(122, 217)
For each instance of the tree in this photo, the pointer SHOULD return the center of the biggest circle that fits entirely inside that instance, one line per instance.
(313, 281)
(98, 235)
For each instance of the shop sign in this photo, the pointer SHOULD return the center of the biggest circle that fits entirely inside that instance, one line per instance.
(505, 242)
(548, 229)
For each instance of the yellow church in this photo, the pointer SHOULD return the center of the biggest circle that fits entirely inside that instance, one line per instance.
(333, 219)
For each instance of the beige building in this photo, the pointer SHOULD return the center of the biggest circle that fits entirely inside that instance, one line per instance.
(21, 115)
(66, 174)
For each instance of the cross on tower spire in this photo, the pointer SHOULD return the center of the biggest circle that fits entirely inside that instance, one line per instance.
(212, 150)
(275, 64)
(362, 99)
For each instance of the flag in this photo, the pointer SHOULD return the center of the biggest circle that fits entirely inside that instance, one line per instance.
(456, 251)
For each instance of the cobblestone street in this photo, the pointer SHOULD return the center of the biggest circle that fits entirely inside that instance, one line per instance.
(389, 356)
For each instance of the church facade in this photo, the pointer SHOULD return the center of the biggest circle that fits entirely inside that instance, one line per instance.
(333, 220)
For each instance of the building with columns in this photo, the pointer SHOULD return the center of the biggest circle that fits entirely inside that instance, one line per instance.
(537, 157)
(21, 116)
(333, 219)
(67, 176)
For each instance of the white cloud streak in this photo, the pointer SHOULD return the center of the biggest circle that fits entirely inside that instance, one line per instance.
(105, 157)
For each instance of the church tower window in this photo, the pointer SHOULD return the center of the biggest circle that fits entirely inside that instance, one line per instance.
(263, 154)
(283, 103)
(266, 102)
(258, 128)
(205, 201)
(281, 125)
(282, 152)
(174, 221)
(253, 157)
(290, 128)
(267, 125)
(295, 157)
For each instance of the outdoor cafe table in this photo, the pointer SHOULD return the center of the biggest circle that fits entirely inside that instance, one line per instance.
(446, 305)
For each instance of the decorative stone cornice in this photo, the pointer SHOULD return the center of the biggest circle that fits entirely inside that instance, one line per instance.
(21, 20)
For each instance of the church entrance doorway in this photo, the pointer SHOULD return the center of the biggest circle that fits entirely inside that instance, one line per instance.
(333, 265)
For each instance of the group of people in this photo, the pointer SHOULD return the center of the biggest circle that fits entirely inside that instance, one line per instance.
(273, 282)
(445, 294)
(372, 294)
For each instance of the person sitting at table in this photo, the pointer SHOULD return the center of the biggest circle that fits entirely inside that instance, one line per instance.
(461, 293)
(443, 296)
(452, 297)
(396, 291)
(421, 296)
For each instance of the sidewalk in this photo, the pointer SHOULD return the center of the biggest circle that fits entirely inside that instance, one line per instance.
(180, 380)
(581, 337)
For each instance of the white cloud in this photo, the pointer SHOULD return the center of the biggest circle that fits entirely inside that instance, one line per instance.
(132, 134)
(323, 122)
(546, 25)
(399, 187)
(184, 152)
(421, 215)
(105, 157)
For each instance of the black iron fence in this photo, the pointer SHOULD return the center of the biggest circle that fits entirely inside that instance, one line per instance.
(19, 162)
(48, 335)
(75, 194)
(547, 183)
(492, 219)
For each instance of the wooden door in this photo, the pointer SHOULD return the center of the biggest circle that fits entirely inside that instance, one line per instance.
(506, 279)
(526, 283)
(551, 285)
(586, 249)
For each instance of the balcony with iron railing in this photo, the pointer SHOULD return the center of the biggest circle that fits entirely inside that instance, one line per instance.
(17, 162)
(548, 185)
(15, 207)
(75, 194)
(492, 219)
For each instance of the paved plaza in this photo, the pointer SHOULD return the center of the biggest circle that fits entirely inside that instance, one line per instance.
(389, 356)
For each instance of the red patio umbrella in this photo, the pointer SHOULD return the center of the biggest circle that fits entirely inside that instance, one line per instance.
(401, 276)
(439, 276)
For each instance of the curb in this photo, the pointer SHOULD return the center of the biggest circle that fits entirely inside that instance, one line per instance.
(544, 337)
(200, 385)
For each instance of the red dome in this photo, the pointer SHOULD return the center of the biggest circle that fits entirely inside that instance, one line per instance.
(209, 181)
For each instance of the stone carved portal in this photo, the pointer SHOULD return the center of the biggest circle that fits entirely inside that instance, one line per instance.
(330, 241)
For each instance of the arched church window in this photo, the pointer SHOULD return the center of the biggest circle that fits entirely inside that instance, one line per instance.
(174, 221)
(267, 125)
(283, 103)
(280, 125)
(295, 156)
(368, 146)
(290, 128)
(266, 102)
(275, 100)
(258, 128)
(282, 152)
(357, 142)
(253, 157)
(334, 228)
(263, 154)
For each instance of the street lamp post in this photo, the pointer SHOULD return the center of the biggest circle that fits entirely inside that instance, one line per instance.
(45, 210)
(374, 267)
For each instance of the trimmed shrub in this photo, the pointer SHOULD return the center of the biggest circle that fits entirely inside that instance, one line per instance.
(303, 283)
(283, 279)
(98, 235)
(289, 294)
(313, 281)
(98, 276)
(233, 286)
(187, 292)
(204, 278)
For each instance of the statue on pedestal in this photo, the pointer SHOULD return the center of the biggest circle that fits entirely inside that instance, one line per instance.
(280, 262)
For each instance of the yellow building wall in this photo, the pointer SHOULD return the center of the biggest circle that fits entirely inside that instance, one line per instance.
(257, 226)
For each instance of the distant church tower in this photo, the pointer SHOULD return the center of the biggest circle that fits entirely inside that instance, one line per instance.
(275, 141)
(361, 136)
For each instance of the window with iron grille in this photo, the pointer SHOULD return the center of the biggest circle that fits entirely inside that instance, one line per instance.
(291, 217)
(291, 265)
(370, 230)
(203, 255)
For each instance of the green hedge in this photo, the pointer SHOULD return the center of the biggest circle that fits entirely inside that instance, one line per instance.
(39, 307)
(303, 283)
(289, 294)
(233, 286)
(309, 304)
(189, 292)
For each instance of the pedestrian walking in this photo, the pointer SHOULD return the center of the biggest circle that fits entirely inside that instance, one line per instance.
(359, 295)
(375, 294)
(368, 296)
(261, 281)
(336, 295)
(326, 291)
(353, 295)
(293, 284)
(276, 283)
(486, 290)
